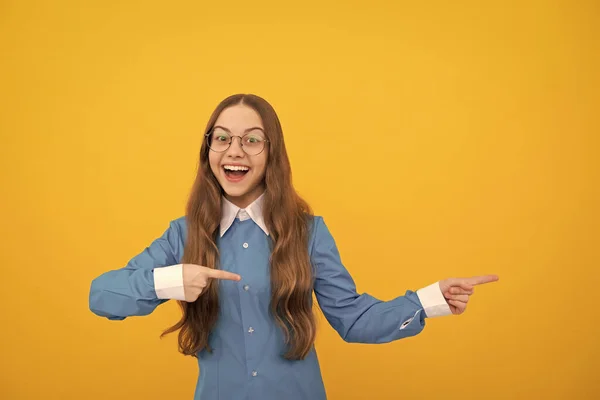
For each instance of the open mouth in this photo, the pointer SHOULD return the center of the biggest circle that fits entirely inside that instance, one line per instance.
(235, 172)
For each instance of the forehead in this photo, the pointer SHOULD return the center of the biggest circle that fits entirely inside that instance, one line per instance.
(238, 118)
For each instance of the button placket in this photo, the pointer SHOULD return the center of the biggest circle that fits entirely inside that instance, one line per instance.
(252, 335)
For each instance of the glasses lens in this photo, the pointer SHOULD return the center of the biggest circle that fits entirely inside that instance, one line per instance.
(219, 140)
(253, 143)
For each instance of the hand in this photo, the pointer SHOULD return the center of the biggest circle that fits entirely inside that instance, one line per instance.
(457, 290)
(196, 277)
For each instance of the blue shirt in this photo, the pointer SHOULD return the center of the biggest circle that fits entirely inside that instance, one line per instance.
(247, 362)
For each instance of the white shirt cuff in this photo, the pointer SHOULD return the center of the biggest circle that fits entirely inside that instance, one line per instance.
(433, 301)
(168, 282)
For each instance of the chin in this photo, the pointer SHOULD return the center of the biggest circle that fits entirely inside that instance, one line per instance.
(234, 190)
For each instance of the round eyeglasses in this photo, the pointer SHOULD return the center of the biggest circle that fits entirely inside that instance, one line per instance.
(219, 141)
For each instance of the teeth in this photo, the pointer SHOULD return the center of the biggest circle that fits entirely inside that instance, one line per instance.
(236, 168)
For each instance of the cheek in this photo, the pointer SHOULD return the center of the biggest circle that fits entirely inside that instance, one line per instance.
(261, 166)
(214, 161)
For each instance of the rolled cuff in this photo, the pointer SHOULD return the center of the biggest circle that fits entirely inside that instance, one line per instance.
(433, 301)
(168, 282)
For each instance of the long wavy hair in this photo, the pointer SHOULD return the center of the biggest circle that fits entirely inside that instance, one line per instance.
(286, 216)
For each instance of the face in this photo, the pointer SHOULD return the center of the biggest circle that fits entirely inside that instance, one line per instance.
(241, 175)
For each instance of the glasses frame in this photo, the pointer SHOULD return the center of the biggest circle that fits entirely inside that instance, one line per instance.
(207, 135)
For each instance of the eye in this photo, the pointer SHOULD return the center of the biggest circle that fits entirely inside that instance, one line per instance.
(253, 139)
(218, 135)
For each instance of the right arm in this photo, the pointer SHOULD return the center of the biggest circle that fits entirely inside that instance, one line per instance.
(148, 280)
(151, 278)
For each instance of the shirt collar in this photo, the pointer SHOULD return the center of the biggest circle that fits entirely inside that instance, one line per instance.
(229, 212)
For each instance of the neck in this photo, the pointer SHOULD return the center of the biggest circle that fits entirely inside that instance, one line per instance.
(246, 199)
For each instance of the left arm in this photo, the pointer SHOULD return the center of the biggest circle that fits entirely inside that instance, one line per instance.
(361, 318)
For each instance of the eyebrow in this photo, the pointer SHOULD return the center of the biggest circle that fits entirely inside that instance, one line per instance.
(247, 130)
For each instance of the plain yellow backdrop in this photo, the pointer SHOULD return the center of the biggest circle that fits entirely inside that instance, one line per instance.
(437, 139)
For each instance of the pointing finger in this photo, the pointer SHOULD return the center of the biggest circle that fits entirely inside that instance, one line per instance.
(479, 280)
(220, 274)
(460, 283)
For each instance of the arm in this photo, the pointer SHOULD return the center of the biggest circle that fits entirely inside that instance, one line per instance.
(148, 280)
(363, 318)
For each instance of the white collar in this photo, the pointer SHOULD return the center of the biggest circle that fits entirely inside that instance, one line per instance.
(230, 211)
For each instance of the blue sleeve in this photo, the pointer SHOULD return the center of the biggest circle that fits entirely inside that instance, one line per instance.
(359, 318)
(129, 291)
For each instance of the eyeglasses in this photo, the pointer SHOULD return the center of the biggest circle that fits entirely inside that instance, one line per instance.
(219, 141)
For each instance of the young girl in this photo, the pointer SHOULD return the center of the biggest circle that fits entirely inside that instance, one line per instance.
(244, 263)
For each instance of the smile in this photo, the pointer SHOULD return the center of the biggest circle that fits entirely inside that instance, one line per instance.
(235, 173)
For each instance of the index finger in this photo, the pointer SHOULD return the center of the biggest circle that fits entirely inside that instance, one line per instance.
(220, 274)
(480, 280)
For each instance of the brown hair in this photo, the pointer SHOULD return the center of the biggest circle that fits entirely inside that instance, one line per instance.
(286, 216)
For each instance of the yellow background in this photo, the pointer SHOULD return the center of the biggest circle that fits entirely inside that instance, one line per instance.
(437, 139)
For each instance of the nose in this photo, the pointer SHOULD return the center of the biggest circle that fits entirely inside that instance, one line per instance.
(235, 149)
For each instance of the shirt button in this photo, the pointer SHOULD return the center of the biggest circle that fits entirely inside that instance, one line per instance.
(254, 373)
(246, 287)
(250, 330)
(245, 245)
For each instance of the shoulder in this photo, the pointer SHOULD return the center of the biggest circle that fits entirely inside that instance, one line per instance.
(177, 228)
(179, 223)
(314, 224)
(319, 234)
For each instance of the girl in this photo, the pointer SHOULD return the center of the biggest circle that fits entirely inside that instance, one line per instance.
(244, 263)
